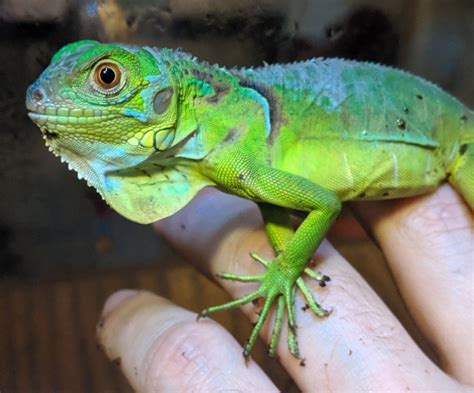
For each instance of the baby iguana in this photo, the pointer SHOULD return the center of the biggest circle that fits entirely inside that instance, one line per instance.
(149, 128)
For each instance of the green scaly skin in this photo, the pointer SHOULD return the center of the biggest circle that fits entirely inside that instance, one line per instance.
(303, 136)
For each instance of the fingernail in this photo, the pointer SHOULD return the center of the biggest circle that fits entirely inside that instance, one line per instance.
(116, 299)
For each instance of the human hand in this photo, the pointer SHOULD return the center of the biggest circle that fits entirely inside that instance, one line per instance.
(428, 242)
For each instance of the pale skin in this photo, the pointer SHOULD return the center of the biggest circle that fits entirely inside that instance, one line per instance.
(428, 242)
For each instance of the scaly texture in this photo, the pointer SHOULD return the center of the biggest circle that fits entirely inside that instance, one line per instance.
(149, 128)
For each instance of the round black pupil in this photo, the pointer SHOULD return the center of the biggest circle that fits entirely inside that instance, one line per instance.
(107, 75)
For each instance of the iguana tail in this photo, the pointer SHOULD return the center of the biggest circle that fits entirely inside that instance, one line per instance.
(462, 169)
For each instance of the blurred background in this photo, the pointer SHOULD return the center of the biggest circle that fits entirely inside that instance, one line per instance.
(62, 250)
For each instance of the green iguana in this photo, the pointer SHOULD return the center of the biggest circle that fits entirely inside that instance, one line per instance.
(149, 128)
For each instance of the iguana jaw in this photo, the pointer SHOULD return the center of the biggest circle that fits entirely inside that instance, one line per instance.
(136, 186)
(115, 170)
(90, 159)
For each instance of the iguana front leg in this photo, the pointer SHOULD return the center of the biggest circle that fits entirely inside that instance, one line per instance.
(280, 231)
(293, 251)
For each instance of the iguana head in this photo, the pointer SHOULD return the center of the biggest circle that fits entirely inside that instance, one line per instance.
(108, 110)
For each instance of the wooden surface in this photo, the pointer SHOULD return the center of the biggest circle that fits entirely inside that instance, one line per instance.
(47, 328)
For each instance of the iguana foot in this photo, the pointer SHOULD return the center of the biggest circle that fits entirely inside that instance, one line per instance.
(278, 284)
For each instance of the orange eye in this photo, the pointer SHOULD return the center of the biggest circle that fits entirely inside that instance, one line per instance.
(107, 75)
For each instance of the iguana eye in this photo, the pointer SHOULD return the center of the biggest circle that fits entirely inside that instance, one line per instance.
(107, 75)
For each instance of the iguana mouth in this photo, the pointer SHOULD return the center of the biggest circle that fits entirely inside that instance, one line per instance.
(52, 110)
(57, 118)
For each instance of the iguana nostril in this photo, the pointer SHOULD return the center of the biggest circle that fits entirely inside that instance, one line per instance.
(37, 95)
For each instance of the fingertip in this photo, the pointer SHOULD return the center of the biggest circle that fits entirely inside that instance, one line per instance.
(116, 299)
(160, 347)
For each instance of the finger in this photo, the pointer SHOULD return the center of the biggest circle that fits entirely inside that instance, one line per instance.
(429, 245)
(360, 346)
(201, 227)
(161, 348)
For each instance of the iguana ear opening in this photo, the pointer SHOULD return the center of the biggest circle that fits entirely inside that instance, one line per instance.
(162, 100)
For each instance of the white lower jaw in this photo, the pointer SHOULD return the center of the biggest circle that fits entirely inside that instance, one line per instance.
(92, 161)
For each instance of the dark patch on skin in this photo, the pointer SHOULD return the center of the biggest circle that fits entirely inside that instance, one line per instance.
(362, 194)
(241, 176)
(303, 363)
(464, 118)
(221, 91)
(272, 355)
(206, 77)
(385, 193)
(231, 135)
(350, 352)
(419, 96)
(100, 346)
(213, 100)
(144, 172)
(183, 227)
(276, 118)
(405, 109)
(203, 76)
(305, 307)
(401, 123)
(322, 284)
(158, 166)
(49, 135)
(117, 361)
(101, 323)
(462, 149)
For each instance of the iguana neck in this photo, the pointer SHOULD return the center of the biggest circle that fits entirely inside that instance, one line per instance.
(213, 103)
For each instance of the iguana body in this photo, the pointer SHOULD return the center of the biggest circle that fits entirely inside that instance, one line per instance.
(149, 128)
